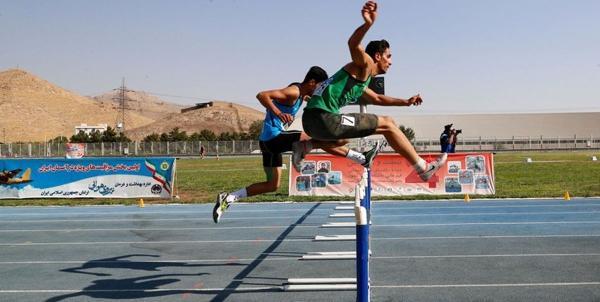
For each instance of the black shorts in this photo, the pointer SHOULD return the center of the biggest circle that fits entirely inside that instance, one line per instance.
(272, 149)
(323, 125)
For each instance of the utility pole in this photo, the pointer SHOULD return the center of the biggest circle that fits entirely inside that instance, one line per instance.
(122, 99)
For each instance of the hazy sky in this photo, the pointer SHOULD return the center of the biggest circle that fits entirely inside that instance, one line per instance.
(463, 56)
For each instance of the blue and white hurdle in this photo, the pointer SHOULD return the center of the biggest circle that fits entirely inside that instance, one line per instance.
(362, 209)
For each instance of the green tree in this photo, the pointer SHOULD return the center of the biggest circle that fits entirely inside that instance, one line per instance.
(80, 137)
(195, 137)
(164, 137)
(154, 137)
(95, 137)
(109, 135)
(255, 129)
(59, 140)
(123, 138)
(226, 136)
(177, 136)
(208, 135)
(408, 132)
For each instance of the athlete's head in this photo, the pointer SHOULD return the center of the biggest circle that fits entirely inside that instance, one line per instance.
(314, 76)
(381, 55)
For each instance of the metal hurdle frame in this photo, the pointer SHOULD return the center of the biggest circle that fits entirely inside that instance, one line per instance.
(362, 211)
(362, 208)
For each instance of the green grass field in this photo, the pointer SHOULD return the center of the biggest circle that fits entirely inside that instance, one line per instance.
(550, 175)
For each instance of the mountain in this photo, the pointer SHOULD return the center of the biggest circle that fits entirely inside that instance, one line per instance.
(34, 109)
(221, 117)
(141, 103)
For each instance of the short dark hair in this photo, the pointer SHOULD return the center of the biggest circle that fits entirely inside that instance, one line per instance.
(378, 46)
(316, 73)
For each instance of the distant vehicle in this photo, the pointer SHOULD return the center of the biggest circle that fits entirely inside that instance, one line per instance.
(10, 177)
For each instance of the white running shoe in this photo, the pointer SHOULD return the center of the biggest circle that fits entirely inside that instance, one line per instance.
(220, 206)
(433, 166)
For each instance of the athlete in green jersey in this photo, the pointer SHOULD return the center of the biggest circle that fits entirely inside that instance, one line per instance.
(322, 119)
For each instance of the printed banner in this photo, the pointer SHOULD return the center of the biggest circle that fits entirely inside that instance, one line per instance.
(328, 175)
(74, 150)
(89, 177)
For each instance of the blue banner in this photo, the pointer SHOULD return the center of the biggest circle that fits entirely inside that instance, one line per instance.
(87, 177)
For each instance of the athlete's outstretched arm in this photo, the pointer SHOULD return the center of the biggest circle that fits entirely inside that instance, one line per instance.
(286, 96)
(383, 100)
(359, 56)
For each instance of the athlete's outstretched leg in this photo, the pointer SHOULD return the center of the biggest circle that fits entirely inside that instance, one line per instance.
(398, 141)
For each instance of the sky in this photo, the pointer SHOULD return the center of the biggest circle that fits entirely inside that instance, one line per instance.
(463, 56)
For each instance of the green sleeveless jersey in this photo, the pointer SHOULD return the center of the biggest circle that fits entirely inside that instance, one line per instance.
(336, 92)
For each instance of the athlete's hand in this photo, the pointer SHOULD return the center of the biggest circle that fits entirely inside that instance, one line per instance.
(369, 12)
(286, 118)
(415, 100)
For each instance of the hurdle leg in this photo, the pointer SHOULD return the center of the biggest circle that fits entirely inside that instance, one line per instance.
(362, 209)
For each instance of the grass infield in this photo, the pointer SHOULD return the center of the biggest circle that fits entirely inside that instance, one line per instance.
(550, 174)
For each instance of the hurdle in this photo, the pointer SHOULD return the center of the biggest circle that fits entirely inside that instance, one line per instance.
(362, 208)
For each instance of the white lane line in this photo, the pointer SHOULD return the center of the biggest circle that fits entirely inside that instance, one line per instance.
(319, 238)
(159, 229)
(486, 223)
(144, 212)
(488, 256)
(380, 206)
(492, 214)
(490, 285)
(292, 217)
(230, 260)
(486, 237)
(325, 238)
(254, 241)
(205, 217)
(461, 206)
(294, 259)
(84, 291)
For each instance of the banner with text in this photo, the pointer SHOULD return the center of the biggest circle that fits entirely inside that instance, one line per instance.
(391, 174)
(87, 177)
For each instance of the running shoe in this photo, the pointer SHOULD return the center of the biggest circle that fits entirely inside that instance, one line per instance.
(297, 155)
(433, 166)
(220, 206)
(370, 154)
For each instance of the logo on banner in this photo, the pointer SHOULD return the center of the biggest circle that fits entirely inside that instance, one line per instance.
(157, 175)
(156, 189)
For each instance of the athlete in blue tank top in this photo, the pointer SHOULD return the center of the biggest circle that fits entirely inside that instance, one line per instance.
(273, 125)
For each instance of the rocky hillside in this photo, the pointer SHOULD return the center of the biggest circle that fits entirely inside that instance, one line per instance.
(222, 117)
(141, 103)
(34, 109)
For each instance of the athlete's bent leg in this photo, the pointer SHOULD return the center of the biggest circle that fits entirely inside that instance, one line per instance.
(271, 185)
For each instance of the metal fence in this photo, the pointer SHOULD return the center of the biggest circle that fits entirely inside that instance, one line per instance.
(225, 148)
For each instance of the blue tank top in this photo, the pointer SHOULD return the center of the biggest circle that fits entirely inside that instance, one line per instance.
(272, 125)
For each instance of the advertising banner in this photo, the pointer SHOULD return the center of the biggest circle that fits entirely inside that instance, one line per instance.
(88, 177)
(391, 174)
(75, 150)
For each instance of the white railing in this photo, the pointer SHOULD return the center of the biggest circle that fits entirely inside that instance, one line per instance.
(225, 148)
